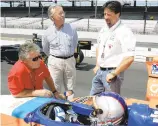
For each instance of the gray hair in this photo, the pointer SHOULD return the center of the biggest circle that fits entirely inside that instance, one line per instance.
(26, 48)
(51, 10)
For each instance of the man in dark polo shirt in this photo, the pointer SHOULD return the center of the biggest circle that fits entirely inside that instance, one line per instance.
(26, 77)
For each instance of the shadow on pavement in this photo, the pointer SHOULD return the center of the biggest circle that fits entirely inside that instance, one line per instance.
(7, 61)
(85, 67)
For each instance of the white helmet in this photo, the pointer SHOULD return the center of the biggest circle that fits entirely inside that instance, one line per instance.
(112, 105)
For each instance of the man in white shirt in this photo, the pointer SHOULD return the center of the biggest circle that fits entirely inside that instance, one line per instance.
(114, 53)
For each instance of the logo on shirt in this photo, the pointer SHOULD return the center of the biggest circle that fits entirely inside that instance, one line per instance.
(110, 46)
(112, 37)
(40, 74)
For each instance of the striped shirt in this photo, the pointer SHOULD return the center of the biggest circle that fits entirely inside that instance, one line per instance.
(60, 42)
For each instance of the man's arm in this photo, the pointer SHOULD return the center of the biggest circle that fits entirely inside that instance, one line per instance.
(128, 44)
(50, 83)
(33, 93)
(42, 92)
(97, 52)
(126, 62)
(24, 93)
(75, 38)
(96, 66)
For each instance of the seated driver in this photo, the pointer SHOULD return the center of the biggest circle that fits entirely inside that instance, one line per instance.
(26, 77)
(109, 107)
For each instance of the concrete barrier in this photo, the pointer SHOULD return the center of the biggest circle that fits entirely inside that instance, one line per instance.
(81, 34)
(94, 25)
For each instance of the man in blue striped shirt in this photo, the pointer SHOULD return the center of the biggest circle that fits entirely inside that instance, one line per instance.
(59, 43)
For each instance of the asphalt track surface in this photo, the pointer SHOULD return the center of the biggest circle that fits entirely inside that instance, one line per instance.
(29, 37)
(134, 85)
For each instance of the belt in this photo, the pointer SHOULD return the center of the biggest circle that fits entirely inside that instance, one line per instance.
(109, 68)
(61, 57)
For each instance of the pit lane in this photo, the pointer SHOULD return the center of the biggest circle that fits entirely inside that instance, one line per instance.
(134, 84)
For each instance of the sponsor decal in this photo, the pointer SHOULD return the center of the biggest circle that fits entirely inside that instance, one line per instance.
(154, 69)
(154, 116)
(154, 88)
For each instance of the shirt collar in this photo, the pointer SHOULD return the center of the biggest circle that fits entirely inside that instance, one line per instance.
(27, 68)
(57, 28)
(115, 25)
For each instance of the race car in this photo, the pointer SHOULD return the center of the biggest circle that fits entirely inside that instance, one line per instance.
(10, 52)
(50, 111)
(105, 109)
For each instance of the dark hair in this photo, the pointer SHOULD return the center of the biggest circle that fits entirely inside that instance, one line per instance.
(114, 6)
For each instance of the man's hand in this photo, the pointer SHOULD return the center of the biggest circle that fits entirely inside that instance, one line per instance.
(109, 77)
(43, 93)
(95, 69)
(59, 96)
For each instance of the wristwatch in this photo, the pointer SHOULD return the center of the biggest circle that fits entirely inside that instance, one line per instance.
(54, 91)
(113, 73)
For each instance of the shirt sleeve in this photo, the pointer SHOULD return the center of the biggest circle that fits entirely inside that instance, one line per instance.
(128, 43)
(75, 38)
(98, 40)
(45, 69)
(45, 45)
(75, 35)
(15, 83)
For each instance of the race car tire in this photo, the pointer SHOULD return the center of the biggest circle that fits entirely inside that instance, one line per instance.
(11, 55)
(80, 57)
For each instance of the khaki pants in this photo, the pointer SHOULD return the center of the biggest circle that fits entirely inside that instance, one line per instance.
(63, 72)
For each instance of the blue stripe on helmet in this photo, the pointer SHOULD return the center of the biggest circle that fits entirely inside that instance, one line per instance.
(116, 96)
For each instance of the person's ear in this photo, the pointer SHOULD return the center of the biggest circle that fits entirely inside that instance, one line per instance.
(52, 18)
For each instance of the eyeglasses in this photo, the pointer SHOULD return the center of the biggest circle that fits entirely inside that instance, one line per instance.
(36, 58)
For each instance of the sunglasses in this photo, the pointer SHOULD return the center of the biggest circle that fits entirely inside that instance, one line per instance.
(36, 58)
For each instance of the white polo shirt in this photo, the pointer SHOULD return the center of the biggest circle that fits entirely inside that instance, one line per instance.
(114, 44)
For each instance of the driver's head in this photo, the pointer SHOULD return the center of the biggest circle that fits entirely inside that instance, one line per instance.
(110, 107)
